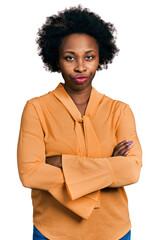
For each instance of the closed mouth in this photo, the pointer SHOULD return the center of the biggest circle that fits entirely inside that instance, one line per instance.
(81, 79)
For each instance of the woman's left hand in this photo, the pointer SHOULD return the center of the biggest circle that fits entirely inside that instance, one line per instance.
(122, 148)
(55, 161)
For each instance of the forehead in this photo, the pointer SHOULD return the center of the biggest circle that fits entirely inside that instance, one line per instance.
(79, 42)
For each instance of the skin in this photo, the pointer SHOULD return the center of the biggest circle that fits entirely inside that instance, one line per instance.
(79, 55)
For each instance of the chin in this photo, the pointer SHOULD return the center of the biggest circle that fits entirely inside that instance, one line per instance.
(82, 86)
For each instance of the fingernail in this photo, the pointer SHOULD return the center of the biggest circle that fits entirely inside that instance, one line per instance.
(130, 142)
(123, 141)
(126, 150)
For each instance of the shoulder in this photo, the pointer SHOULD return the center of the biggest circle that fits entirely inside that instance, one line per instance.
(117, 106)
(42, 102)
(39, 99)
(121, 113)
(38, 105)
(117, 110)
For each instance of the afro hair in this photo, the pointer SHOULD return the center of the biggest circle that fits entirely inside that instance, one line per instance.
(75, 20)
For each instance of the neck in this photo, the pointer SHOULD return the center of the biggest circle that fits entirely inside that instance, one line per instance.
(79, 97)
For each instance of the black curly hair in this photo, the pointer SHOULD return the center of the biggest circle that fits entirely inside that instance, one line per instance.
(75, 20)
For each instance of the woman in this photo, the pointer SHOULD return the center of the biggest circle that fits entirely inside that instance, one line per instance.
(78, 148)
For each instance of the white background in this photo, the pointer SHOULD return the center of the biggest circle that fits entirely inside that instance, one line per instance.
(131, 78)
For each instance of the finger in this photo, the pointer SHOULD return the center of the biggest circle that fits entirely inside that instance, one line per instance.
(124, 145)
(118, 152)
(118, 149)
(122, 150)
(126, 152)
(120, 144)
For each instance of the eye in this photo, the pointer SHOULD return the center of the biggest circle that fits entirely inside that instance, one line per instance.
(69, 58)
(90, 57)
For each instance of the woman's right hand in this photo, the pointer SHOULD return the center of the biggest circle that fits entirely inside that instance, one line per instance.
(55, 161)
(122, 148)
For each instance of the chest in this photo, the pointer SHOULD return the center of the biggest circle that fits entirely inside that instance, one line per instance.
(61, 137)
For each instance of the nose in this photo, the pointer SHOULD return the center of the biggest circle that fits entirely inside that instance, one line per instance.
(80, 66)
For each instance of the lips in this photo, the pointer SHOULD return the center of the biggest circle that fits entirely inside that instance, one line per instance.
(80, 78)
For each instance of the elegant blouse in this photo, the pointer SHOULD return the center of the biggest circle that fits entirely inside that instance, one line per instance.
(86, 199)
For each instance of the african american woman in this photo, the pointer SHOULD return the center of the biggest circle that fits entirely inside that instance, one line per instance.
(77, 147)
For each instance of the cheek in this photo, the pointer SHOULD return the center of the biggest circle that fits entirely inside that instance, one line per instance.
(68, 69)
(94, 65)
(65, 67)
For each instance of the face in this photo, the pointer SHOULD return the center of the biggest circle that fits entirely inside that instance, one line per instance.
(78, 60)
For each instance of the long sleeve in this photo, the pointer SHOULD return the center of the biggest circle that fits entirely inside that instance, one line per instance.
(35, 173)
(84, 175)
(64, 198)
(126, 170)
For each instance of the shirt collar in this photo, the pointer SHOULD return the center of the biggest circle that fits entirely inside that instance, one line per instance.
(93, 103)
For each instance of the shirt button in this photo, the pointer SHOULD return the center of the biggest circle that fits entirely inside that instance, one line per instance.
(80, 120)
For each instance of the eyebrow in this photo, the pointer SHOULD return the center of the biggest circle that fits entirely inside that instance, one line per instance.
(74, 52)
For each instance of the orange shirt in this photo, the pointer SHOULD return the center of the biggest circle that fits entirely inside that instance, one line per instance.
(85, 200)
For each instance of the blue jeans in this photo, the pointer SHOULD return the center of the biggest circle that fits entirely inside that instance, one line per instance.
(127, 236)
(38, 236)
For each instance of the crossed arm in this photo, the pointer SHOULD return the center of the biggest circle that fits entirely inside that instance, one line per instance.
(35, 170)
(121, 149)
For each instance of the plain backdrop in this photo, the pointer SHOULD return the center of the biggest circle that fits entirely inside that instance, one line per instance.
(132, 78)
